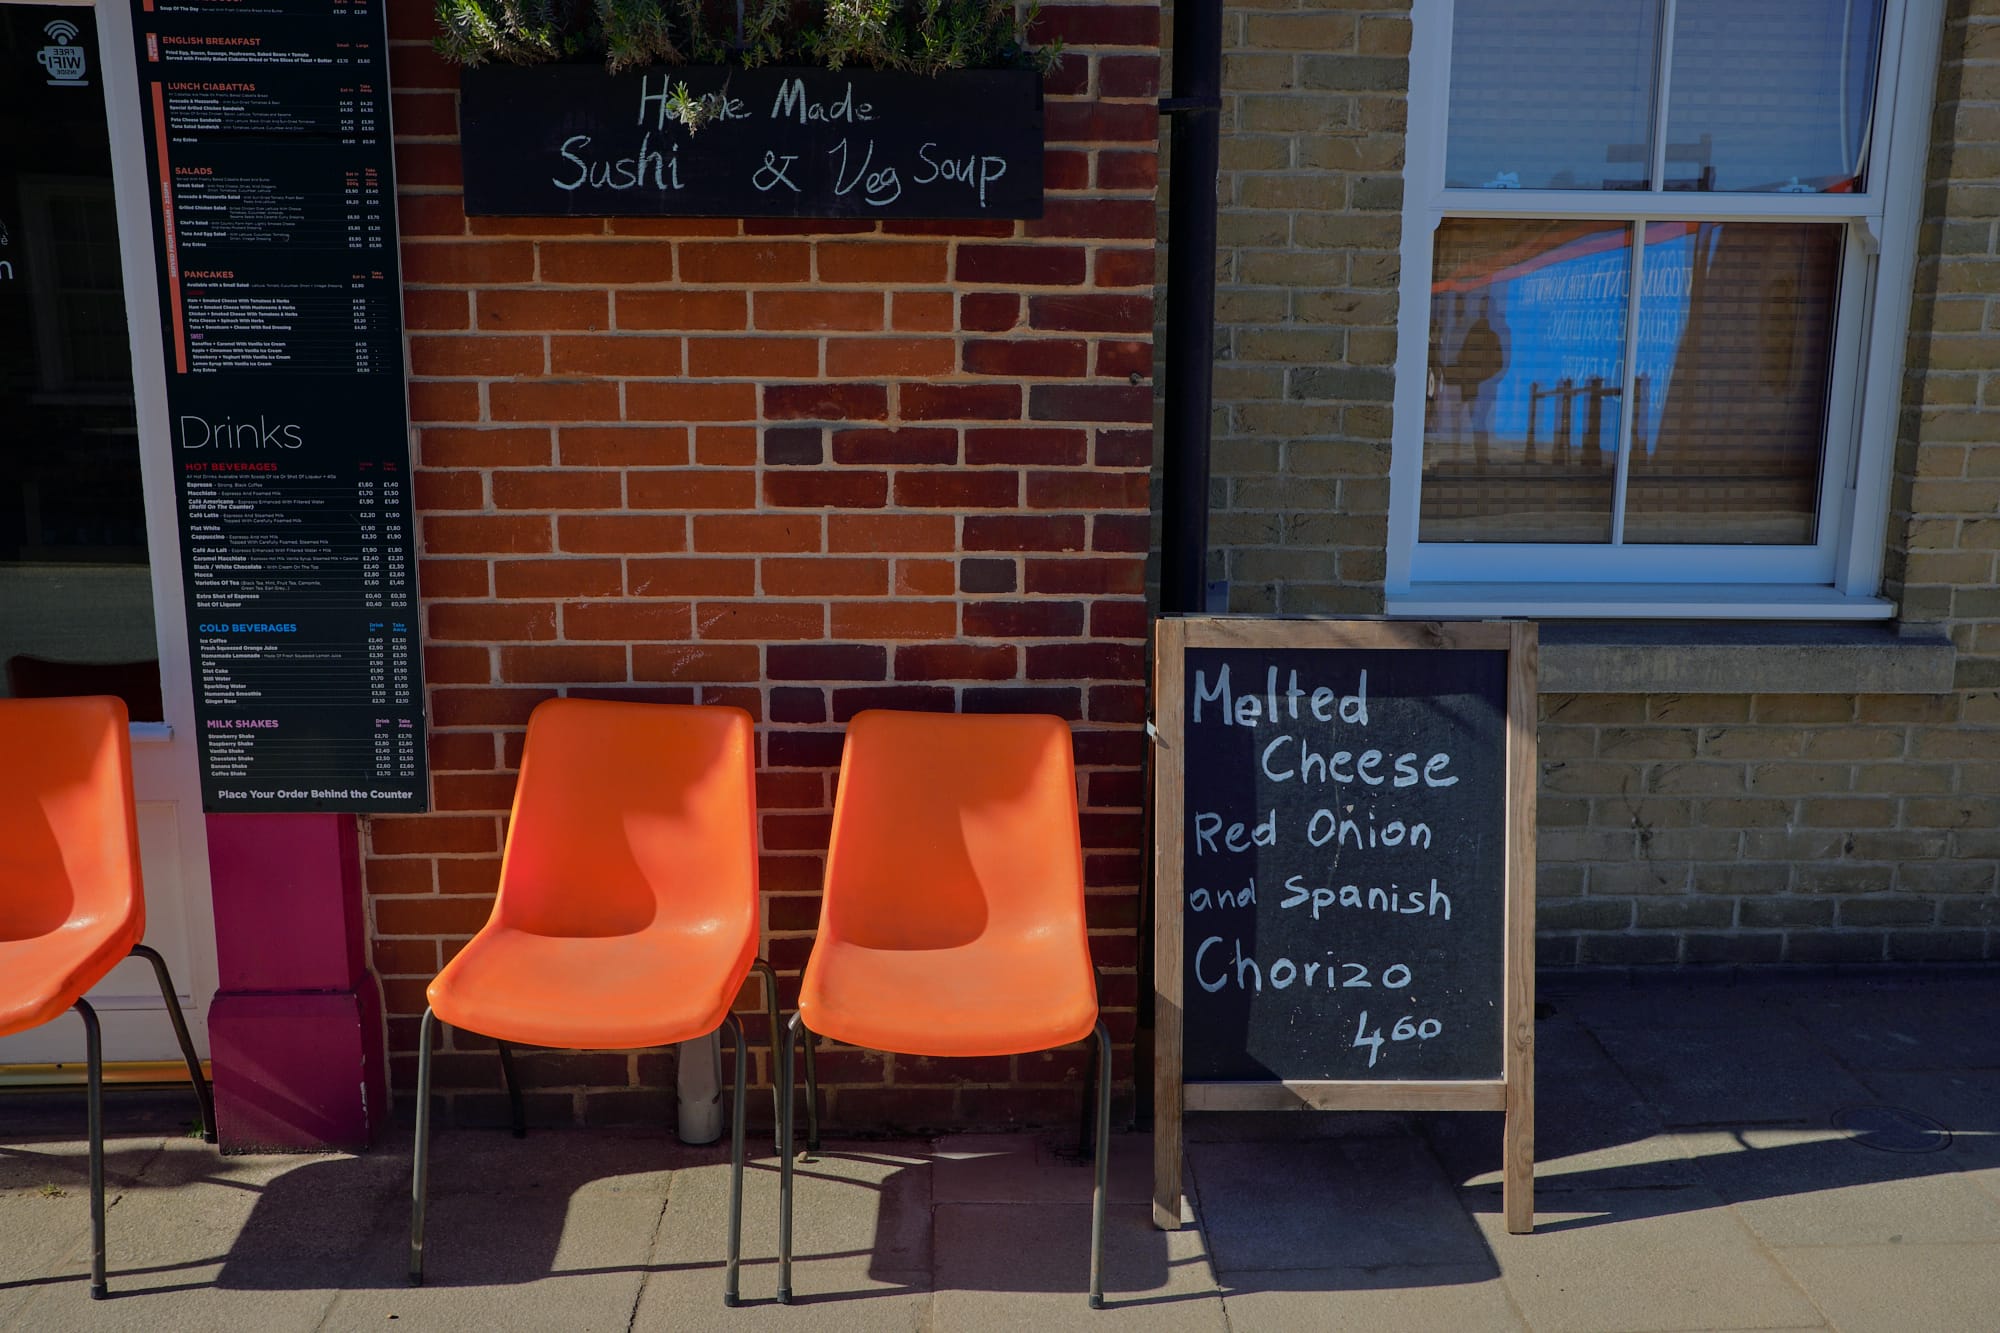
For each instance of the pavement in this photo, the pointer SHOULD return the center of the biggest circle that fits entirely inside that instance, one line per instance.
(1766, 1151)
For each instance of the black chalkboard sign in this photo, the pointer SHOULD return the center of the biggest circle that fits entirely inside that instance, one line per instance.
(1345, 837)
(573, 140)
(1344, 852)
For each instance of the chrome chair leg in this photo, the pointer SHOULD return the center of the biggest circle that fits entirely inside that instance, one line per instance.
(1103, 1153)
(792, 1031)
(420, 1171)
(202, 1093)
(93, 1048)
(736, 1114)
(514, 1104)
(770, 979)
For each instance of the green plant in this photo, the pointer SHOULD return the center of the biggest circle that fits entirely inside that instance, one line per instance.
(54, 1192)
(920, 36)
(520, 32)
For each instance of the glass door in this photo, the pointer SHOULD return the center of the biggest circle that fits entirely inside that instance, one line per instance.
(90, 590)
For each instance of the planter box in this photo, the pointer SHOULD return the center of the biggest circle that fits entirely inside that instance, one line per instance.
(575, 141)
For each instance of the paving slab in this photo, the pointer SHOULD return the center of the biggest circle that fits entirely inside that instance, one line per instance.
(1035, 1168)
(861, 1252)
(1817, 1186)
(1966, 1103)
(1435, 1299)
(549, 1232)
(1905, 1027)
(45, 1218)
(1343, 1203)
(178, 1229)
(1642, 1261)
(1771, 1072)
(1901, 1288)
(1004, 1266)
(1663, 1002)
(1593, 1128)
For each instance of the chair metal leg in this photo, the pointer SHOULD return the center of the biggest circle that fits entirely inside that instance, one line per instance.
(812, 1089)
(736, 1114)
(201, 1089)
(1098, 1192)
(770, 979)
(785, 1117)
(1086, 1139)
(420, 1172)
(93, 1048)
(520, 1113)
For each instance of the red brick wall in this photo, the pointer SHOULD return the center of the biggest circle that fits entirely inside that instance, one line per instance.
(801, 468)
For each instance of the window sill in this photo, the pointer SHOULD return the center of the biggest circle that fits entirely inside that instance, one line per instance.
(1635, 602)
(1682, 657)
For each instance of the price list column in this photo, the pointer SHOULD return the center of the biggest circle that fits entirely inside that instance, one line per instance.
(273, 200)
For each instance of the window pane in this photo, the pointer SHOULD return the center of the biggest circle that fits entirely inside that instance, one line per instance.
(1734, 352)
(1552, 94)
(1771, 94)
(1526, 368)
(76, 592)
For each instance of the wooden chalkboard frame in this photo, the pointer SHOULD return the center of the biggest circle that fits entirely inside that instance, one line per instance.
(1514, 1092)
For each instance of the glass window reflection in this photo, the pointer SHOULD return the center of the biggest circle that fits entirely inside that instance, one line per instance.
(1526, 370)
(1771, 95)
(1552, 94)
(1730, 382)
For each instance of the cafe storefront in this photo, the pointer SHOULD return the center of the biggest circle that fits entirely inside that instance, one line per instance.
(1665, 392)
(806, 465)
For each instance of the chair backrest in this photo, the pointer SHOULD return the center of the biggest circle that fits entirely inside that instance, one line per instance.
(69, 830)
(948, 827)
(630, 815)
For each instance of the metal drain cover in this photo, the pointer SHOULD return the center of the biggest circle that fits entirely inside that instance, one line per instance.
(1892, 1129)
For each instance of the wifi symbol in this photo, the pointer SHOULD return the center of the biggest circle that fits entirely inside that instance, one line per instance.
(62, 32)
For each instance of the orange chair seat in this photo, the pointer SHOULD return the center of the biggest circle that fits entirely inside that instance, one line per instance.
(953, 1001)
(593, 992)
(42, 977)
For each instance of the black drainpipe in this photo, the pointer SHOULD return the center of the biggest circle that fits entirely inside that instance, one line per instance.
(1195, 111)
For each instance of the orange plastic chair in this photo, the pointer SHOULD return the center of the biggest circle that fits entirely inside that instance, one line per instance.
(72, 905)
(953, 919)
(627, 909)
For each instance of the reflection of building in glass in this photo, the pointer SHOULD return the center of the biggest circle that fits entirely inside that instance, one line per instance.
(1531, 325)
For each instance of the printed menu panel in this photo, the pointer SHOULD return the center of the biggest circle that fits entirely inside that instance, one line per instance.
(273, 197)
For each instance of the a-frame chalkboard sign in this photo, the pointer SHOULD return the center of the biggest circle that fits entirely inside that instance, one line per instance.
(1344, 862)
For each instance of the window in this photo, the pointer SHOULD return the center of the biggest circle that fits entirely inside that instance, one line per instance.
(1656, 274)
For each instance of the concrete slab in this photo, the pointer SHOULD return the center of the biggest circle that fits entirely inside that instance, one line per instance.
(1347, 1203)
(1655, 1001)
(1653, 1260)
(176, 1230)
(1766, 1073)
(553, 1231)
(1382, 1300)
(1897, 1288)
(1593, 1129)
(861, 1253)
(45, 1217)
(1816, 1186)
(1905, 1027)
(1018, 1266)
(1035, 1168)
(1965, 1102)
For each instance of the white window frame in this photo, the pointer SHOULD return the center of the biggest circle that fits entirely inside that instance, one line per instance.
(1838, 577)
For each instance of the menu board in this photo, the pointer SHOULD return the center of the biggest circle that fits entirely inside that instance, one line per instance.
(1344, 837)
(573, 141)
(273, 199)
